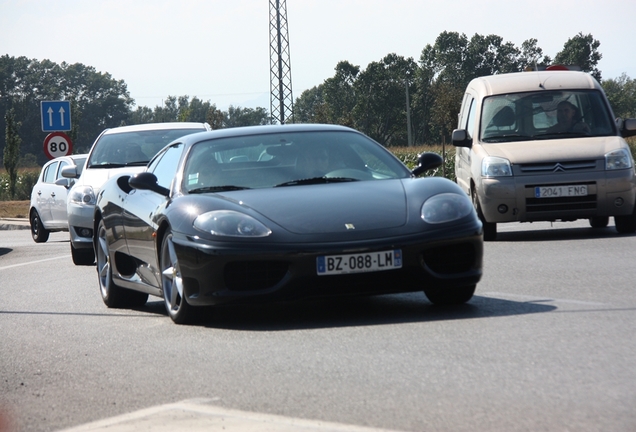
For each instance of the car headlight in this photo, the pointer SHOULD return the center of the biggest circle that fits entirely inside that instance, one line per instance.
(618, 159)
(231, 224)
(446, 207)
(493, 166)
(82, 195)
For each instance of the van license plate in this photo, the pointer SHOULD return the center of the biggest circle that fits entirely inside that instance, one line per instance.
(560, 191)
(359, 263)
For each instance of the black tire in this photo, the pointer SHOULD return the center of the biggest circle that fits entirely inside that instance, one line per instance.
(490, 228)
(625, 224)
(599, 222)
(38, 232)
(172, 284)
(112, 294)
(450, 296)
(83, 256)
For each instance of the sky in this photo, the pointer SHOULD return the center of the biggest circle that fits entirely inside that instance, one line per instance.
(218, 50)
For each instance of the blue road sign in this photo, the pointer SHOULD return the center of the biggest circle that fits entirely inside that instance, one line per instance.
(56, 116)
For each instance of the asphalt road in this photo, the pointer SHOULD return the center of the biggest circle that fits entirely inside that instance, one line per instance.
(546, 344)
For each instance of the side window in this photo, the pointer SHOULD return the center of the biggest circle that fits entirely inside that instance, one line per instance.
(59, 171)
(49, 174)
(165, 165)
(470, 121)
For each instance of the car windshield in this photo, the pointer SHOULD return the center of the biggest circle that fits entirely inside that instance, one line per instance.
(545, 115)
(287, 159)
(134, 148)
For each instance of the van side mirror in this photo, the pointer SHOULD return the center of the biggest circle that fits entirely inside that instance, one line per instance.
(460, 138)
(628, 127)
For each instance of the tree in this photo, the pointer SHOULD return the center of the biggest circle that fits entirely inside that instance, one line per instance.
(621, 93)
(310, 106)
(237, 116)
(339, 93)
(11, 152)
(581, 50)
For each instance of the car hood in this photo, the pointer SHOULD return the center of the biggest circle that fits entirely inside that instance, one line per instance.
(554, 150)
(96, 177)
(329, 208)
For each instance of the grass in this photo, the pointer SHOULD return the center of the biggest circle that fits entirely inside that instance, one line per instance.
(14, 209)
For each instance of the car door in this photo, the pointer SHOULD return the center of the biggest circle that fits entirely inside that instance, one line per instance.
(142, 209)
(58, 196)
(45, 194)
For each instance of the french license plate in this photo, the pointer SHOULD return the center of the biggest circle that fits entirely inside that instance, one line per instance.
(560, 191)
(359, 263)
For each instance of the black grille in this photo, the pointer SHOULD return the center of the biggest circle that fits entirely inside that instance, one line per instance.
(552, 167)
(254, 275)
(458, 258)
(534, 205)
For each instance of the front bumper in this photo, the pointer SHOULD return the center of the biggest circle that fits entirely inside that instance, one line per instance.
(80, 223)
(214, 275)
(512, 199)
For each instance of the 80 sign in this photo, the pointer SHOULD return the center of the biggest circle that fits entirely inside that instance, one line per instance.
(57, 144)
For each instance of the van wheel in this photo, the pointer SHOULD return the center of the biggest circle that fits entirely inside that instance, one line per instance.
(490, 228)
(626, 224)
(599, 222)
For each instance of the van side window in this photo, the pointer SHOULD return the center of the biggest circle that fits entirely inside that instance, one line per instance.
(470, 121)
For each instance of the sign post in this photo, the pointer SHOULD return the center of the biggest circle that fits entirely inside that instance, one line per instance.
(57, 144)
(56, 116)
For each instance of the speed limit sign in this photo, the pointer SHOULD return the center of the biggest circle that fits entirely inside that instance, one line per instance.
(57, 144)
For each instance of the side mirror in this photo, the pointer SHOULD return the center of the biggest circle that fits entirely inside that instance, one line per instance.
(427, 161)
(69, 172)
(460, 138)
(66, 182)
(628, 127)
(147, 181)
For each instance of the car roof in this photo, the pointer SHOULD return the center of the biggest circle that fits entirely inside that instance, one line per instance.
(158, 126)
(266, 129)
(518, 82)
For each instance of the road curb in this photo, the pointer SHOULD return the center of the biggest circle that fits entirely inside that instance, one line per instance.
(9, 224)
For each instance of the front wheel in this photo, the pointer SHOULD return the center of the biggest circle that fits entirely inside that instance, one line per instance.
(38, 232)
(599, 221)
(490, 228)
(450, 296)
(82, 256)
(113, 295)
(172, 283)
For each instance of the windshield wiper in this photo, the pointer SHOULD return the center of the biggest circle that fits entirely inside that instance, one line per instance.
(561, 135)
(506, 137)
(317, 180)
(217, 189)
(107, 165)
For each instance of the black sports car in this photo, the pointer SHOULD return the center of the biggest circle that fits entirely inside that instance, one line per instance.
(283, 212)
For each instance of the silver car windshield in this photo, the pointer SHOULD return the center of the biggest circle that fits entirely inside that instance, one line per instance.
(132, 148)
(545, 115)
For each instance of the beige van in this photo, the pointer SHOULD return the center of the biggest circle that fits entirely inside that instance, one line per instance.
(544, 146)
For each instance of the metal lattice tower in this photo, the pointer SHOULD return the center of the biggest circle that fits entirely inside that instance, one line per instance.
(281, 98)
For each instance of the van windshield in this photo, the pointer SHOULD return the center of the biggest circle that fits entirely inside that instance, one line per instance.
(545, 115)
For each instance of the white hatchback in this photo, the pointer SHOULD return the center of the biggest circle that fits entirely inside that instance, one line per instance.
(47, 211)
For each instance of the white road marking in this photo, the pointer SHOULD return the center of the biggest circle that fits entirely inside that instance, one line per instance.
(34, 262)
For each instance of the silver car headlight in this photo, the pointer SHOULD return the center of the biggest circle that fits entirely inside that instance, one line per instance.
(231, 224)
(618, 159)
(446, 207)
(492, 166)
(82, 195)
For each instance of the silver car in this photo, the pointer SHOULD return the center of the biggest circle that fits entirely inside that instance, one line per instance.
(544, 146)
(47, 211)
(117, 150)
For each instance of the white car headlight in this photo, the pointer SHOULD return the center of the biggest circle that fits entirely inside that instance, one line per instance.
(493, 166)
(231, 224)
(82, 195)
(618, 159)
(446, 207)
